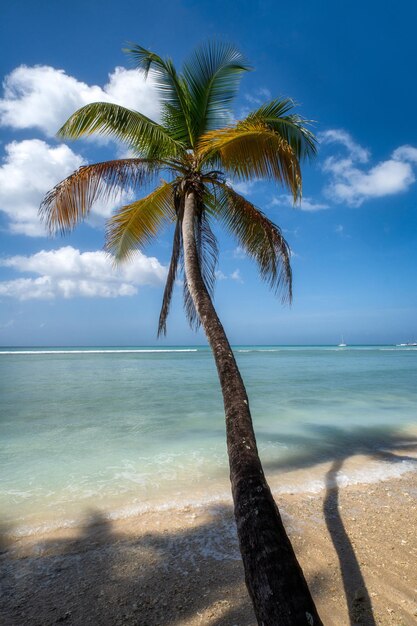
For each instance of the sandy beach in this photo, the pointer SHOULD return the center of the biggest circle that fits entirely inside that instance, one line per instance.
(357, 545)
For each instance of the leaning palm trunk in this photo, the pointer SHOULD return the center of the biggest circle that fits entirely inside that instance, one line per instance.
(275, 581)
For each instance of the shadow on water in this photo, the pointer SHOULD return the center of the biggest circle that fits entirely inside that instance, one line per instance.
(323, 444)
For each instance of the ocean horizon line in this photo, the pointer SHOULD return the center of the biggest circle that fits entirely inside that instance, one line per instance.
(198, 345)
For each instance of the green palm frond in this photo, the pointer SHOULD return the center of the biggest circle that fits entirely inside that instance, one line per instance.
(173, 266)
(291, 127)
(71, 200)
(135, 225)
(169, 285)
(252, 150)
(213, 74)
(172, 89)
(140, 133)
(261, 239)
(207, 250)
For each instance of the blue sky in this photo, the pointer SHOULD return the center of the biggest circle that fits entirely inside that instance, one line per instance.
(353, 237)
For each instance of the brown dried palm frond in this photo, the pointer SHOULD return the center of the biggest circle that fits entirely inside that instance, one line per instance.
(70, 201)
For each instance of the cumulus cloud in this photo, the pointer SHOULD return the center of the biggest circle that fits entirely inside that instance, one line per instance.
(29, 170)
(306, 204)
(220, 275)
(244, 187)
(405, 153)
(43, 97)
(339, 136)
(259, 96)
(239, 253)
(69, 273)
(236, 276)
(352, 182)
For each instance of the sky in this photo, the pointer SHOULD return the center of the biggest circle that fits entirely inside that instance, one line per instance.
(350, 67)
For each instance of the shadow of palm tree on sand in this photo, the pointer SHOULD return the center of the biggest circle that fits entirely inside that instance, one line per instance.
(106, 576)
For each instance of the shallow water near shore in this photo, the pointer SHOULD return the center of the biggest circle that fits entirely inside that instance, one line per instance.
(127, 430)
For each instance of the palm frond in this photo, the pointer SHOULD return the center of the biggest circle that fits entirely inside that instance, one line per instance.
(213, 74)
(276, 116)
(257, 235)
(173, 269)
(207, 250)
(172, 89)
(70, 201)
(139, 132)
(252, 150)
(190, 311)
(169, 286)
(135, 225)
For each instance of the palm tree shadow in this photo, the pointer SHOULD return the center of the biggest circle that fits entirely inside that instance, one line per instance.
(357, 596)
(328, 443)
(107, 577)
(335, 444)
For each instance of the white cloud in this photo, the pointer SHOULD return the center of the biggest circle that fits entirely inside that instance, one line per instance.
(352, 184)
(29, 170)
(8, 324)
(306, 204)
(259, 96)
(239, 253)
(339, 229)
(68, 273)
(236, 276)
(405, 153)
(244, 187)
(44, 97)
(337, 135)
(219, 275)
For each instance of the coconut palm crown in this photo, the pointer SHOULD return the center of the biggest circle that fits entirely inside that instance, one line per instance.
(197, 145)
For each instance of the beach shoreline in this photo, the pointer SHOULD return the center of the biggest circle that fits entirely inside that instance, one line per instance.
(356, 543)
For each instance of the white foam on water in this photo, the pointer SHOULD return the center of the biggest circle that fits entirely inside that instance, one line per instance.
(399, 349)
(261, 350)
(111, 351)
(369, 473)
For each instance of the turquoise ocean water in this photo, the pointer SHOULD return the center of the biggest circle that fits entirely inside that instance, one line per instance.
(125, 430)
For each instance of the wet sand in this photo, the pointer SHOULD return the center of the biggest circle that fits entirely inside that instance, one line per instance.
(357, 545)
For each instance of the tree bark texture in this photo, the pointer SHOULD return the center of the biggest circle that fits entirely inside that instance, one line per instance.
(274, 578)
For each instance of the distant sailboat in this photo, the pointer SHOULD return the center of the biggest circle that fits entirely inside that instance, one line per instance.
(342, 343)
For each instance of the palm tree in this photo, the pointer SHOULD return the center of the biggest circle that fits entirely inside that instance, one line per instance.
(198, 146)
